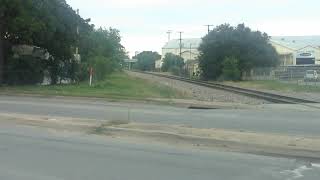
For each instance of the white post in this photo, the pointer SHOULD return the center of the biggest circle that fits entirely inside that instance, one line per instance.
(91, 75)
(90, 80)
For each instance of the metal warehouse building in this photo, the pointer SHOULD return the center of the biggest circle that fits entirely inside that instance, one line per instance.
(297, 50)
(293, 50)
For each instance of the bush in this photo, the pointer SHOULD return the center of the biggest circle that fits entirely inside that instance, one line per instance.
(230, 69)
(172, 63)
(25, 70)
(175, 70)
(146, 60)
(102, 67)
(83, 74)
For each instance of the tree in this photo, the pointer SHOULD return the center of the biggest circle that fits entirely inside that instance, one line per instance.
(101, 66)
(52, 25)
(14, 17)
(230, 69)
(146, 60)
(101, 45)
(25, 70)
(172, 63)
(103, 42)
(251, 49)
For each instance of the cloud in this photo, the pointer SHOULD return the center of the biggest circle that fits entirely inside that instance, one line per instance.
(124, 4)
(143, 43)
(143, 23)
(289, 27)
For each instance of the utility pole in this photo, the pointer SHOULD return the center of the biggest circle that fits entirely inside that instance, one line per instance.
(169, 35)
(78, 59)
(209, 25)
(77, 49)
(180, 43)
(190, 51)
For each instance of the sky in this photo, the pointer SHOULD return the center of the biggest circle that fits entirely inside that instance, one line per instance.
(143, 23)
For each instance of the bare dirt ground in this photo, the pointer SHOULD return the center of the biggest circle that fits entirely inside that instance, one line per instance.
(174, 135)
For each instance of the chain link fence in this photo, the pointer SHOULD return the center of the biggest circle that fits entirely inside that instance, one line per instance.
(285, 74)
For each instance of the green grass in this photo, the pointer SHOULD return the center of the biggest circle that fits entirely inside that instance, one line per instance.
(277, 86)
(116, 86)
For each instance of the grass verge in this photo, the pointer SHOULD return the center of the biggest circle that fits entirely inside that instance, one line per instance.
(116, 86)
(276, 85)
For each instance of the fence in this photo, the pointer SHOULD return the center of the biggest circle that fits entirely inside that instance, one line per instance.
(286, 74)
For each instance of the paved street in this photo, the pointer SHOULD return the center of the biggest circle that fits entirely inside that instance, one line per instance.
(34, 154)
(276, 121)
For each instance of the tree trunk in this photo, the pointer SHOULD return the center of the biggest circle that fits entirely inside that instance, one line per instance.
(1, 55)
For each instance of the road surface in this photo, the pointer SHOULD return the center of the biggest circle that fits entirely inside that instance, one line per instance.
(275, 121)
(33, 154)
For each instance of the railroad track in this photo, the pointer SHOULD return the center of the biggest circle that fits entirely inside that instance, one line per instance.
(275, 98)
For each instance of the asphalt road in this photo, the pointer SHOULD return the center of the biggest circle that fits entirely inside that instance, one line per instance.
(33, 154)
(276, 121)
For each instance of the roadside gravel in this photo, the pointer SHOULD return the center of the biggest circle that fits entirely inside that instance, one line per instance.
(312, 96)
(283, 145)
(303, 95)
(199, 93)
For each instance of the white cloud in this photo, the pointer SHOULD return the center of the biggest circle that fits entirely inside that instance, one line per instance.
(289, 27)
(143, 43)
(144, 23)
(123, 4)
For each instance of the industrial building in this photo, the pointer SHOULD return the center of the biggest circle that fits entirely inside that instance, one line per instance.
(297, 50)
(189, 52)
(292, 50)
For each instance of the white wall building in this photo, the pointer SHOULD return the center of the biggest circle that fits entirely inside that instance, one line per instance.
(189, 48)
(189, 52)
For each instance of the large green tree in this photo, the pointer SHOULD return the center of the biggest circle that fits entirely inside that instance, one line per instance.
(146, 60)
(15, 22)
(250, 48)
(52, 25)
(49, 24)
(105, 45)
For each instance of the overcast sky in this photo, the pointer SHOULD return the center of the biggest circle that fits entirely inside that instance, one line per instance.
(144, 23)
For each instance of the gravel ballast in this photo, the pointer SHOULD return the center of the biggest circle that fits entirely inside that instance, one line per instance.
(198, 92)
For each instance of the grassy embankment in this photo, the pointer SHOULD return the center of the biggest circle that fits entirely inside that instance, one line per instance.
(278, 86)
(116, 86)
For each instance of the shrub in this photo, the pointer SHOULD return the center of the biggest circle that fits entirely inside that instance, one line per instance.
(102, 67)
(25, 70)
(172, 63)
(230, 69)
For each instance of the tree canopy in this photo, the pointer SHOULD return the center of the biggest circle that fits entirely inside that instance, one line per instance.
(54, 26)
(248, 48)
(146, 60)
(172, 63)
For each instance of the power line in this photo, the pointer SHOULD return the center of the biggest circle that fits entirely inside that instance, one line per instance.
(209, 25)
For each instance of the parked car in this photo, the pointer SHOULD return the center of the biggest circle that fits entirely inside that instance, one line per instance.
(311, 75)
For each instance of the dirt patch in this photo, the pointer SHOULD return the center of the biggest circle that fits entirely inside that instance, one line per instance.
(218, 139)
